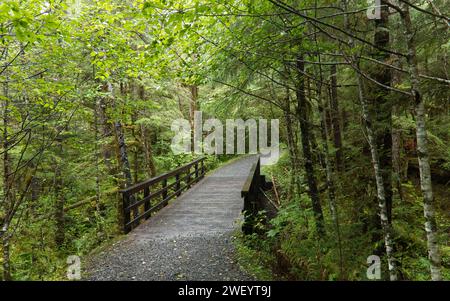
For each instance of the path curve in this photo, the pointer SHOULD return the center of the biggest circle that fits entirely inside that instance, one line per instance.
(189, 239)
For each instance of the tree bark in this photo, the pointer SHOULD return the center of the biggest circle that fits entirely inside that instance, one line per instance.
(97, 162)
(335, 120)
(382, 105)
(386, 226)
(6, 260)
(59, 192)
(422, 149)
(123, 154)
(330, 185)
(105, 126)
(147, 145)
(192, 108)
(146, 142)
(294, 186)
(396, 160)
(306, 147)
(7, 188)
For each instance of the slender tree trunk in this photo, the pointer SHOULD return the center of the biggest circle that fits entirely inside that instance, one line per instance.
(382, 105)
(149, 162)
(6, 259)
(136, 149)
(192, 108)
(124, 161)
(7, 188)
(294, 186)
(335, 120)
(105, 126)
(306, 146)
(386, 226)
(422, 150)
(59, 193)
(123, 154)
(396, 160)
(97, 161)
(331, 187)
(146, 142)
(381, 196)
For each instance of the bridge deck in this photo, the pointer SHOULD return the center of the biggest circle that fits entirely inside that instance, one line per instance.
(190, 239)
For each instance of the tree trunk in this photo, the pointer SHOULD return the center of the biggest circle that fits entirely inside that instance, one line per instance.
(330, 186)
(306, 147)
(6, 203)
(123, 154)
(136, 149)
(147, 145)
(386, 226)
(381, 196)
(422, 150)
(6, 260)
(146, 142)
(335, 120)
(105, 126)
(59, 192)
(192, 108)
(382, 105)
(294, 186)
(396, 160)
(97, 161)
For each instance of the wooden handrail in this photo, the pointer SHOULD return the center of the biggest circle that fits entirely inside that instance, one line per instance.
(146, 183)
(255, 199)
(136, 207)
(246, 189)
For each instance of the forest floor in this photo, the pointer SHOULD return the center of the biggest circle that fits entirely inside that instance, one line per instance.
(190, 239)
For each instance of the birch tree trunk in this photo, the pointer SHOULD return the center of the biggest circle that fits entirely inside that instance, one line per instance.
(422, 149)
(386, 226)
(382, 104)
(381, 196)
(6, 203)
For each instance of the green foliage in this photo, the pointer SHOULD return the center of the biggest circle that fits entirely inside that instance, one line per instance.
(69, 74)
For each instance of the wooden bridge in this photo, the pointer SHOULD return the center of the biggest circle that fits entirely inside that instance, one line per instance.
(180, 224)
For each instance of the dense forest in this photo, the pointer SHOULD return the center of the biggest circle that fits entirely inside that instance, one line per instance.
(89, 89)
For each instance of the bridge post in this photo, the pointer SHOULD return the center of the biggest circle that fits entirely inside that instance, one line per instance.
(164, 193)
(188, 180)
(147, 204)
(202, 167)
(178, 185)
(126, 213)
(196, 172)
(254, 199)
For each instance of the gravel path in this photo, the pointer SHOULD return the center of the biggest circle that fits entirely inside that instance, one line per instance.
(190, 239)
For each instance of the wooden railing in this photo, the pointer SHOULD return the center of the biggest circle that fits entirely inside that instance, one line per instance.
(255, 199)
(142, 199)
